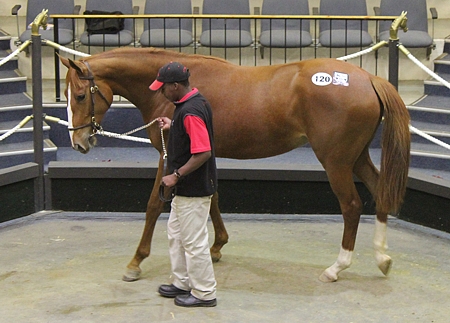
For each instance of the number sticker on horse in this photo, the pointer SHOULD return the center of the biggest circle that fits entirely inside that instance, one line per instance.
(321, 79)
(340, 79)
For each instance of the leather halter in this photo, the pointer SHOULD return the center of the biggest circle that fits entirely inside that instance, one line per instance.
(93, 89)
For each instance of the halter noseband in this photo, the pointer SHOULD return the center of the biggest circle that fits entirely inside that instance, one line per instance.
(93, 89)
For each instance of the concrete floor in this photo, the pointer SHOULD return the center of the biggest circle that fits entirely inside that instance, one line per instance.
(67, 267)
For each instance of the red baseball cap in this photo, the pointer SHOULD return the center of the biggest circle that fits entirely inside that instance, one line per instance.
(170, 73)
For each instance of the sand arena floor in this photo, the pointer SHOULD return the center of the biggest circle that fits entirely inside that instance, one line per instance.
(67, 267)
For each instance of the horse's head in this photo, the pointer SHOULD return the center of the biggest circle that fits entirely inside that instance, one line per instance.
(88, 99)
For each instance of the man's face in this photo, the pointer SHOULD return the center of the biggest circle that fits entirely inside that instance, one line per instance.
(170, 91)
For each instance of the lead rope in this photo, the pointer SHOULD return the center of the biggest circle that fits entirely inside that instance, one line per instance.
(173, 190)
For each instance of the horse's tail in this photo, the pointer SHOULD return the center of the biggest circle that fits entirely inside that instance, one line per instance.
(395, 148)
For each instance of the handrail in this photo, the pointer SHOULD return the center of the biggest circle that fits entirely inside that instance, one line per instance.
(207, 16)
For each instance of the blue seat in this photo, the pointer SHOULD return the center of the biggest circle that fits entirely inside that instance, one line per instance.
(344, 33)
(226, 32)
(167, 32)
(284, 33)
(65, 26)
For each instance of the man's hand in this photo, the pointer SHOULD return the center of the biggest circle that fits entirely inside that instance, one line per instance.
(169, 180)
(164, 123)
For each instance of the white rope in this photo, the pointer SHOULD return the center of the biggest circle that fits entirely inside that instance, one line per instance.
(65, 49)
(13, 130)
(422, 66)
(14, 53)
(428, 137)
(363, 52)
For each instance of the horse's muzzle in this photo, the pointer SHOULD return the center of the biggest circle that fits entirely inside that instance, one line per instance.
(84, 149)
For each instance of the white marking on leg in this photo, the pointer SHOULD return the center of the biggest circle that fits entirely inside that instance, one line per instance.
(380, 245)
(69, 114)
(343, 262)
(379, 239)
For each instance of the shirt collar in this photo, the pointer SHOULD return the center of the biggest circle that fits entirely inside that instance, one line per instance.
(188, 95)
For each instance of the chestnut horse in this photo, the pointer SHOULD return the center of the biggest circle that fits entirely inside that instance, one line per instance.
(260, 112)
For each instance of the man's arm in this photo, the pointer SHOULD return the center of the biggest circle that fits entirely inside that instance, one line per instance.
(191, 165)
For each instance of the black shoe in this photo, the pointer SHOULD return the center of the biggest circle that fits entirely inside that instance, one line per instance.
(191, 301)
(171, 291)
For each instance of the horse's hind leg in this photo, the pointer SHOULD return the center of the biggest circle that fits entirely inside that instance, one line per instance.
(221, 235)
(368, 174)
(341, 181)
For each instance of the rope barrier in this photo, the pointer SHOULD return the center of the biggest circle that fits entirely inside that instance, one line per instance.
(15, 53)
(64, 49)
(13, 130)
(364, 51)
(428, 137)
(422, 66)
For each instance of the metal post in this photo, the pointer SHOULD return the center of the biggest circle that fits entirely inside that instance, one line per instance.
(400, 22)
(393, 62)
(38, 136)
(56, 60)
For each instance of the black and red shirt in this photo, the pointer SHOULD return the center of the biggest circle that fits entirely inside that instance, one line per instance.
(191, 132)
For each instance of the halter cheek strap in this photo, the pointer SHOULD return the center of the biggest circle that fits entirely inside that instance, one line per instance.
(93, 89)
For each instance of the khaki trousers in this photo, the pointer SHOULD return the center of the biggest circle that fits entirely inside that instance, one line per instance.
(190, 257)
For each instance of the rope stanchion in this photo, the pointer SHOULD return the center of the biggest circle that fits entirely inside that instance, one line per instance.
(15, 53)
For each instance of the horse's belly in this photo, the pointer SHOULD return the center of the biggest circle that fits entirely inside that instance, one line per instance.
(256, 149)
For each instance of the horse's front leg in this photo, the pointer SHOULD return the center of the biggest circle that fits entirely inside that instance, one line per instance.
(154, 209)
(221, 235)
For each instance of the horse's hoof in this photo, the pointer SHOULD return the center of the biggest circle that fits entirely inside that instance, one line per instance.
(385, 265)
(327, 277)
(131, 275)
(215, 256)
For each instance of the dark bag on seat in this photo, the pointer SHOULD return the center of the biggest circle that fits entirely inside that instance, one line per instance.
(104, 25)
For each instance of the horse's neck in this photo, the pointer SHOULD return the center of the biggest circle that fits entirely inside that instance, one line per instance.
(131, 78)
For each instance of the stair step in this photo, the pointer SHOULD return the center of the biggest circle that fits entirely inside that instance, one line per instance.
(434, 87)
(431, 114)
(442, 64)
(15, 113)
(19, 153)
(431, 101)
(22, 134)
(447, 44)
(12, 64)
(12, 82)
(5, 40)
(15, 100)
(438, 131)
(429, 156)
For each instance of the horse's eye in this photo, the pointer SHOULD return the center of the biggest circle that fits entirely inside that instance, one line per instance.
(80, 97)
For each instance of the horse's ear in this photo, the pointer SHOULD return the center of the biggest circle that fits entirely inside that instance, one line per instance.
(64, 60)
(67, 62)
